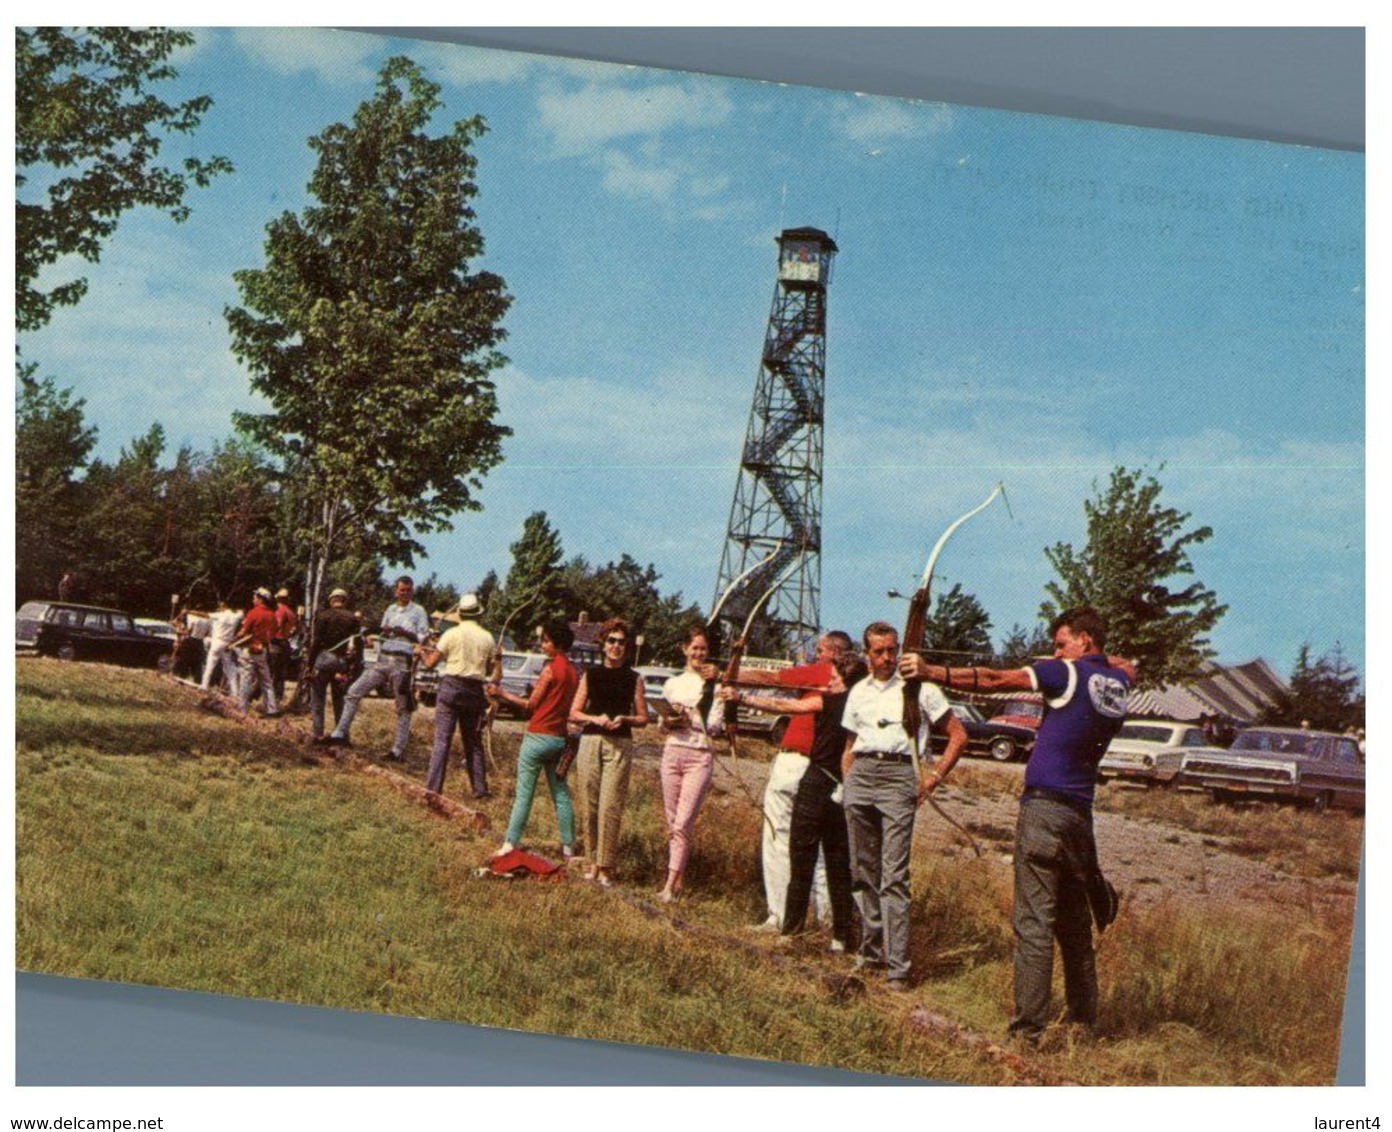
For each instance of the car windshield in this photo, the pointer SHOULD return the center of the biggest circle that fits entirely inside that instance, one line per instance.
(966, 711)
(1146, 733)
(1280, 742)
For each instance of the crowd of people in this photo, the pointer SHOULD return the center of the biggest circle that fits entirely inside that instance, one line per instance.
(842, 793)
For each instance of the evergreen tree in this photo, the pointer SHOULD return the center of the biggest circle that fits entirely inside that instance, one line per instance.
(52, 442)
(1323, 693)
(958, 630)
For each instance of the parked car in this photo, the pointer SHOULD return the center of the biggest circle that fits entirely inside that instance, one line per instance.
(1148, 751)
(520, 673)
(1021, 713)
(768, 725)
(993, 738)
(426, 681)
(654, 677)
(86, 632)
(154, 627)
(1319, 768)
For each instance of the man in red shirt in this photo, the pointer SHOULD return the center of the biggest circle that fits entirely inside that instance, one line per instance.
(254, 642)
(787, 769)
(286, 625)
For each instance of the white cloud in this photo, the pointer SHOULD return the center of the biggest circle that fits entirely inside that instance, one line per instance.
(588, 119)
(869, 119)
(338, 58)
(625, 177)
(463, 65)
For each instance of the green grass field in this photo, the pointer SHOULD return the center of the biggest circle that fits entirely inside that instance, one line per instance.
(161, 843)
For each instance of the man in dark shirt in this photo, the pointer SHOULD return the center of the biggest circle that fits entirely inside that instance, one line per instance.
(817, 822)
(1085, 695)
(335, 643)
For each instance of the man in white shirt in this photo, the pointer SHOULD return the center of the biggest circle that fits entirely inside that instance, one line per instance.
(882, 795)
(222, 631)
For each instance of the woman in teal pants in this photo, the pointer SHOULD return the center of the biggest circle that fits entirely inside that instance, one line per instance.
(549, 709)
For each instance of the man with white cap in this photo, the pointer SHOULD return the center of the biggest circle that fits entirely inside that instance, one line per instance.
(404, 626)
(467, 651)
(334, 641)
(254, 640)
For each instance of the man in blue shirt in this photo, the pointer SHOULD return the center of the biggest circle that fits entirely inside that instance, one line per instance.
(404, 626)
(1085, 695)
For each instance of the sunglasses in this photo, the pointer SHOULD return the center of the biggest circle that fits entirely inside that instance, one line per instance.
(616, 640)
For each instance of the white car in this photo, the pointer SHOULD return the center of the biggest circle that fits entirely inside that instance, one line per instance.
(1149, 751)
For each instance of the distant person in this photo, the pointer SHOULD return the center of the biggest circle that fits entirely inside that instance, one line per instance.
(404, 626)
(687, 758)
(67, 586)
(222, 631)
(254, 641)
(548, 712)
(461, 701)
(335, 643)
(188, 649)
(882, 796)
(1085, 695)
(608, 704)
(282, 645)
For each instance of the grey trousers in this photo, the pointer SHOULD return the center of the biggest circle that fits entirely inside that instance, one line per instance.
(390, 671)
(256, 674)
(880, 800)
(1054, 851)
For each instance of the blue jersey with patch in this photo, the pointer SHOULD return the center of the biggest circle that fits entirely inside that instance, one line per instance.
(1084, 705)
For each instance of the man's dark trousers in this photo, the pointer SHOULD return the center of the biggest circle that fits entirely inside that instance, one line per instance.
(818, 822)
(1054, 852)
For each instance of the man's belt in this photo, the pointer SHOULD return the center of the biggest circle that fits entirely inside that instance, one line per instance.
(384, 654)
(885, 756)
(1044, 794)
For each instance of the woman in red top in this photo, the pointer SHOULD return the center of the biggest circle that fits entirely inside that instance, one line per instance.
(549, 709)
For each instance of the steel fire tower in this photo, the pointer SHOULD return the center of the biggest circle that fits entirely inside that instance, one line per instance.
(777, 510)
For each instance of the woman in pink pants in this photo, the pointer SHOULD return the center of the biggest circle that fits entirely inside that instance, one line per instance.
(687, 759)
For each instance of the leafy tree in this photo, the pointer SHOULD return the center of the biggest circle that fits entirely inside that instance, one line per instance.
(1134, 547)
(124, 528)
(958, 631)
(534, 578)
(628, 590)
(52, 442)
(87, 137)
(1021, 645)
(1323, 692)
(370, 337)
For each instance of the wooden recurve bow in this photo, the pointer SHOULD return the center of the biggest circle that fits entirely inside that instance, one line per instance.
(914, 627)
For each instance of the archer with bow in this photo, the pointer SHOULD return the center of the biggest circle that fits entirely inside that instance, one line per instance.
(802, 799)
(888, 717)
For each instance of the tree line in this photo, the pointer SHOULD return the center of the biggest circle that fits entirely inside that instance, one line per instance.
(373, 339)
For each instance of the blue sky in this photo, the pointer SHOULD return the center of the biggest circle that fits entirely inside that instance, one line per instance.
(1018, 298)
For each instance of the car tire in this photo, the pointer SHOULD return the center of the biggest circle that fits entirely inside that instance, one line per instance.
(1002, 750)
(1321, 802)
(428, 699)
(66, 652)
(778, 730)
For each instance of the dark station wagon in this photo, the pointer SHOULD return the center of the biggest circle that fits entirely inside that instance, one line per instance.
(86, 632)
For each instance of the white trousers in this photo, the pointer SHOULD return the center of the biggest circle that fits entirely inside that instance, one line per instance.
(785, 773)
